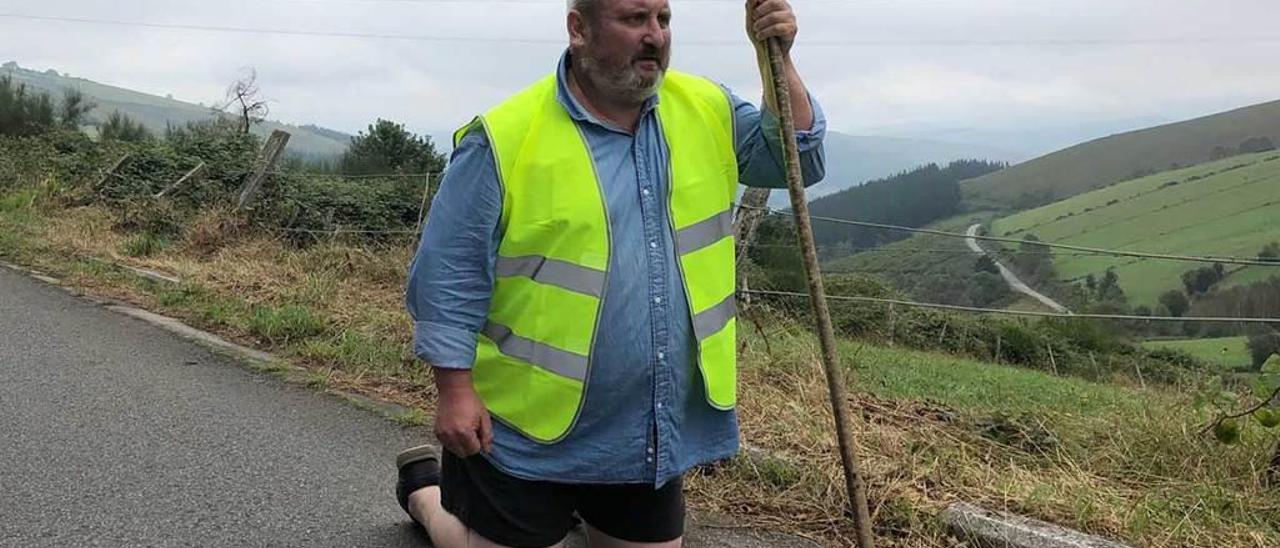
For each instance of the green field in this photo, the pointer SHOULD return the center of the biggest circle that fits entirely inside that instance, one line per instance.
(1101, 162)
(1223, 208)
(1227, 351)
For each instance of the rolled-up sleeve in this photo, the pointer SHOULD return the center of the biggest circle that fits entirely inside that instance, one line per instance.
(451, 278)
(760, 147)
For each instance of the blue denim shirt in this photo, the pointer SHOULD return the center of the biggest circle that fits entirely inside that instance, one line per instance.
(645, 418)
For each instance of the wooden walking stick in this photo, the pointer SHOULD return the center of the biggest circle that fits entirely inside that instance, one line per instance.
(775, 72)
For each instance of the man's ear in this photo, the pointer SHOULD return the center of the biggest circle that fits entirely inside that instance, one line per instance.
(577, 25)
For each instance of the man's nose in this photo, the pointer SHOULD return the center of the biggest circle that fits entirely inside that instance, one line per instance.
(655, 35)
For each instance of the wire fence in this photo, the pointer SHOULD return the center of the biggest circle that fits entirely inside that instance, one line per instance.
(1052, 245)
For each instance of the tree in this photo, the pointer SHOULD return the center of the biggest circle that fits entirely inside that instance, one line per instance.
(1176, 302)
(1270, 253)
(387, 147)
(1201, 280)
(986, 264)
(1256, 144)
(23, 113)
(120, 127)
(1263, 345)
(74, 108)
(244, 101)
(1109, 290)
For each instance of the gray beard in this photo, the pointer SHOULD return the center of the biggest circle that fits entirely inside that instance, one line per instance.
(624, 83)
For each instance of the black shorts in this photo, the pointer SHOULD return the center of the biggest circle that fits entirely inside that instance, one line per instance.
(534, 514)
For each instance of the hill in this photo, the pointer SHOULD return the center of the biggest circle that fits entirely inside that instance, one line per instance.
(1102, 162)
(1223, 208)
(856, 159)
(155, 112)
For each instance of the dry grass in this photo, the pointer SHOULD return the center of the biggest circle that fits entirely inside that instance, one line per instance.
(931, 429)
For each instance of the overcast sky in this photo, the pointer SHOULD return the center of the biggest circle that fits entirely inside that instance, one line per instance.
(877, 66)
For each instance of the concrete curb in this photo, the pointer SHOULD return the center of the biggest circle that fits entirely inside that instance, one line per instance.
(992, 529)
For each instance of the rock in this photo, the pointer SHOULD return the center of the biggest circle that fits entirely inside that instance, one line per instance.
(991, 529)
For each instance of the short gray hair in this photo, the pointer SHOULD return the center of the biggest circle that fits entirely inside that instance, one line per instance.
(586, 7)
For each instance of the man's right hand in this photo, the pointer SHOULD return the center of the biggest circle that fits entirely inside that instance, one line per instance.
(462, 422)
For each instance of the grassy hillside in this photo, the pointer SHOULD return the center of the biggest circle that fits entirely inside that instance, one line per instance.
(926, 267)
(1108, 160)
(1227, 351)
(1226, 208)
(154, 111)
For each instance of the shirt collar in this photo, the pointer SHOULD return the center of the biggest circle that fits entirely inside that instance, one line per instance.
(579, 113)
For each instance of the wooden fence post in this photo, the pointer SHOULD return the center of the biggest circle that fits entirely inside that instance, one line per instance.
(1053, 361)
(271, 152)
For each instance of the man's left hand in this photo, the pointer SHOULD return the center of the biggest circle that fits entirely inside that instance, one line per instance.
(771, 19)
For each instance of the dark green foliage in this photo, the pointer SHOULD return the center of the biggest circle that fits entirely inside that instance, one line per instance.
(119, 127)
(986, 288)
(1083, 348)
(324, 203)
(1262, 346)
(986, 264)
(1033, 261)
(74, 108)
(1255, 300)
(912, 198)
(387, 147)
(1175, 302)
(1270, 253)
(1109, 290)
(1256, 144)
(23, 113)
(1201, 280)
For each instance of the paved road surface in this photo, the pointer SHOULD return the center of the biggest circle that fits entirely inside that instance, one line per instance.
(1011, 278)
(115, 433)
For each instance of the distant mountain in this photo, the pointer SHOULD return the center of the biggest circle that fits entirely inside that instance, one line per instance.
(155, 112)
(1103, 162)
(855, 159)
(1030, 142)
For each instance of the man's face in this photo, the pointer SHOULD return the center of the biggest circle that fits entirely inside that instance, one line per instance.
(625, 47)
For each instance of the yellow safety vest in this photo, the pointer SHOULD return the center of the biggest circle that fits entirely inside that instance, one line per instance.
(533, 357)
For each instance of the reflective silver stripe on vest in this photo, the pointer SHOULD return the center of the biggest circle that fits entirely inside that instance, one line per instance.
(555, 272)
(704, 233)
(712, 320)
(560, 362)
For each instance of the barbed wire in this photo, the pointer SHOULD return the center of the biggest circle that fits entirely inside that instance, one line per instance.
(1001, 311)
(1097, 250)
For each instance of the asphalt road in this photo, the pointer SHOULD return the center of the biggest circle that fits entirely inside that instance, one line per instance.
(117, 433)
(1010, 278)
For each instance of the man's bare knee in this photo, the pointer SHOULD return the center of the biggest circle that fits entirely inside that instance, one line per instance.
(599, 539)
(445, 529)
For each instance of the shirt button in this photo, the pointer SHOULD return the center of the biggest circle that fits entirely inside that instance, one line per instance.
(645, 192)
(653, 245)
(657, 300)
(648, 459)
(662, 355)
(650, 450)
(659, 405)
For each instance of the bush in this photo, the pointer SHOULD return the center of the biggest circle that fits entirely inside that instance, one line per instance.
(1262, 346)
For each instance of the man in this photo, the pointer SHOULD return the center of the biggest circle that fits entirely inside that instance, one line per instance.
(573, 292)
